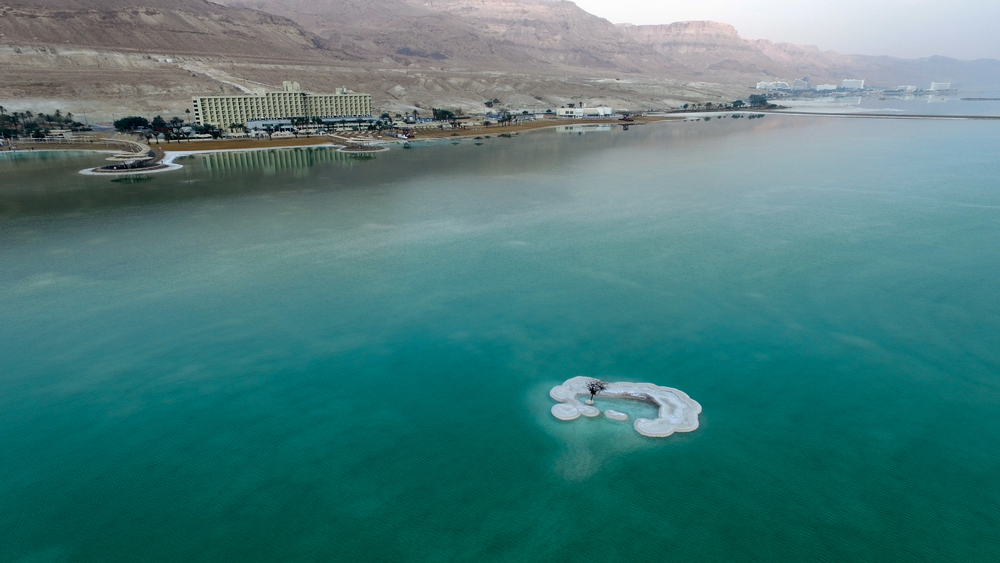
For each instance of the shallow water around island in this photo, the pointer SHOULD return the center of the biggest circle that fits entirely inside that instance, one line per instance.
(302, 355)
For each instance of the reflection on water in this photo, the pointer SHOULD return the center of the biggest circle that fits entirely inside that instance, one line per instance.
(271, 162)
(916, 104)
(48, 182)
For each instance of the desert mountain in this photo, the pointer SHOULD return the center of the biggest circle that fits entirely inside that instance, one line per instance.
(119, 55)
(171, 26)
(520, 35)
(553, 35)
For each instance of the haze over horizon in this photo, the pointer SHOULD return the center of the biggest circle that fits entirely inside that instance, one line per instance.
(962, 29)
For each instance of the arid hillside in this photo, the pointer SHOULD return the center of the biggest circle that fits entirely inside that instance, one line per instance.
(181, 27)
(555, 36)
(107, 57)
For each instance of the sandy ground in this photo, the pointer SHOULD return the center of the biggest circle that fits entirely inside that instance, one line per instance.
(165, 153)
(259, 144)
(238, 144)
(529, 126)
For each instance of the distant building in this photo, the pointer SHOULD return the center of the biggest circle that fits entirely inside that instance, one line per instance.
(584, 111)
(826, 87)
(779, 85)
(288, 103)
(801, 84)
(940, 86)
(852, 84)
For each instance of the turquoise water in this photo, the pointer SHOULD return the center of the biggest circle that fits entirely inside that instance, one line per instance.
(303, 356)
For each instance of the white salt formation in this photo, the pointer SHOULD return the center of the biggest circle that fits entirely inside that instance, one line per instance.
(678, 412)
(615, 415)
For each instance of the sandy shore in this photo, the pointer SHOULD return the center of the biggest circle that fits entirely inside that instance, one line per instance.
(480, 130)
(167, 152)
(241, 144)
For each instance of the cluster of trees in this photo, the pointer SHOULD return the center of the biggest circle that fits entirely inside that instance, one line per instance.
(504, 118)
(442, 114)
(756, 101)
(38, 125)
(173, 130)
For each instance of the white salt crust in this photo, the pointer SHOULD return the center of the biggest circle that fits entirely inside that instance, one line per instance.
(677, 411)
(615, 415)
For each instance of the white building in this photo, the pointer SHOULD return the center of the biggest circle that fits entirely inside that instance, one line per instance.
(940, 86)
(852, 84)
(778, 85)
(583, 111)
(826, 87)
(801, 84)
(290, 102)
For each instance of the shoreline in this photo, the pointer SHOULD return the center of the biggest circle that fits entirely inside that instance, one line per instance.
(165, 163)
(874, 115)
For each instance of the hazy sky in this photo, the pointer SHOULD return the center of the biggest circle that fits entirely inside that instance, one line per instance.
(964, 29)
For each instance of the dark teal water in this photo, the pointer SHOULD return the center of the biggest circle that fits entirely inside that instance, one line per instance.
(301, 356)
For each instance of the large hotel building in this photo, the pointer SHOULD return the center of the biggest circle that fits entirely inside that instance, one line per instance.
(289, 103)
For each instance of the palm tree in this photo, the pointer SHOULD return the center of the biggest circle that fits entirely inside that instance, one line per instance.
(3, 110)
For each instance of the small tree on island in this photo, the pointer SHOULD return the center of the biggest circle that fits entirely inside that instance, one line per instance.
(595, 386)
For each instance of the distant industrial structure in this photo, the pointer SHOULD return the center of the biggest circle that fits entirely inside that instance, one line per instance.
(288, 103)
(852, 84)
(940, 86)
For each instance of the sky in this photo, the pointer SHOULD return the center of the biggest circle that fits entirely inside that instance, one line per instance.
(963, 29)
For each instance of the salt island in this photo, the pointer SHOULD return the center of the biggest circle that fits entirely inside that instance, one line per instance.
(677, 411)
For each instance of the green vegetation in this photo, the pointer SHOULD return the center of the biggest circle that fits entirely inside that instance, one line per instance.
(131, 123)
(442, 114)
(37, 125)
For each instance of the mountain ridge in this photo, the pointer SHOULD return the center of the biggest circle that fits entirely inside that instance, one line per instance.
(408, 53)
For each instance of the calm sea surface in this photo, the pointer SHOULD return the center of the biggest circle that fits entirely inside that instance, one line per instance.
(303, 356)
